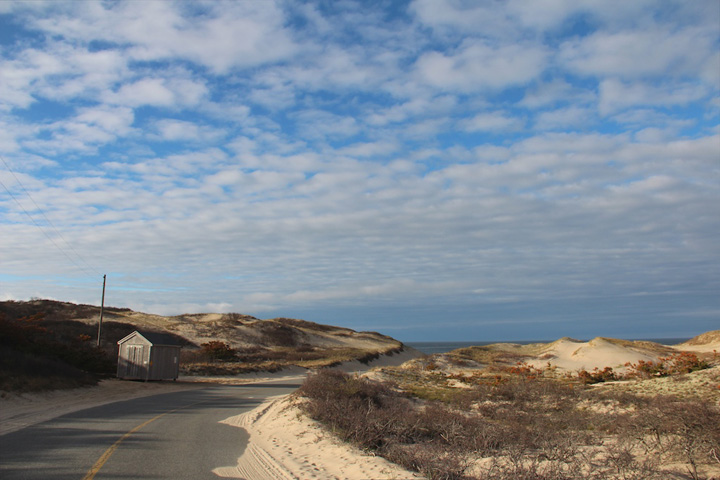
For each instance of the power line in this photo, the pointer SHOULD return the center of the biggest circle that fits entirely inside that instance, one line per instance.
(48, 221)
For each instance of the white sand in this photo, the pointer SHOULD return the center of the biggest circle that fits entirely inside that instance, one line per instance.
(599, 353)
(285, 445)
(713, 347)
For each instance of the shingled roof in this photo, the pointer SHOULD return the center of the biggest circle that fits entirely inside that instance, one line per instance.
(157, 338)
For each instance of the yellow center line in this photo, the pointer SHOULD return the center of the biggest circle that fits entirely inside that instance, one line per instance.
(108, 453)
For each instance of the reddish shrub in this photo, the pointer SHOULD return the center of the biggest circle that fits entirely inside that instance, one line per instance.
(217, 350)
(677, 363)
(597, 376)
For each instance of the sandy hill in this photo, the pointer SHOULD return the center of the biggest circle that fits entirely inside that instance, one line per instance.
(599, 352)
(572, 355)
(705, 342)
(239, 331)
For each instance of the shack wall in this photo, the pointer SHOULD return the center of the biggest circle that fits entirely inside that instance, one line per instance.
(134, 359)
(164, 362)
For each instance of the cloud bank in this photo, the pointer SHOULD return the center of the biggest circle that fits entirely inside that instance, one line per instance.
(427, 169)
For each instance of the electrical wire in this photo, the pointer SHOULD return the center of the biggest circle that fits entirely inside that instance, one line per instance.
(49, 222)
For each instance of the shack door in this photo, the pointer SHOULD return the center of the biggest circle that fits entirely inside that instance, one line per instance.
(135, 356)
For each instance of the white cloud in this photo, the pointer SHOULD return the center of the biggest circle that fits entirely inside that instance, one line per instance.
(226, 36)
(616, 95)
(416, 107)
(369, 149)
(449, 17)
(492, 122)
(185, 307)
(547, 94)
(61, 72)
(644, 116)
(184, 131)
(635, 54)
(10, 133)
(276, 156)
(479, 65)
(90, 128)
(571, 118)
(159, 92)
(18, 76)
(147, 91)
(14, 90)
(320, 125)
(117, 120)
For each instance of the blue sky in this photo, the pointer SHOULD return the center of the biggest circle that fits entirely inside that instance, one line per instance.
(433, 170)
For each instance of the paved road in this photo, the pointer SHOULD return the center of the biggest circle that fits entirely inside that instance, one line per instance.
(169, 436)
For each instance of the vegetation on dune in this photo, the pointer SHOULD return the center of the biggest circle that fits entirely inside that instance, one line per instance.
(37, 355)
(218, 358)
(281, 343)
(517, 423)
(60, 348)
(55, 311)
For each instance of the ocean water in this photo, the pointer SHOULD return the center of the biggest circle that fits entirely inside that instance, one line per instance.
(430, 348)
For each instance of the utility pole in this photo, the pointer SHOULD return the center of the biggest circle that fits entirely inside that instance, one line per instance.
(102, 308)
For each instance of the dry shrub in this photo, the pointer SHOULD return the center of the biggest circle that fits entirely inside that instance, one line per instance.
(430, 459)
(277, 334)
(531, 428)
(434, 439)
(217, 350)
(685, 431)
(621, 461)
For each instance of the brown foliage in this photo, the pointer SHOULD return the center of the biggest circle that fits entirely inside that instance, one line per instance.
(678, 363)
(217, 350)
(597, 376)
(531, 428)
(434, 440)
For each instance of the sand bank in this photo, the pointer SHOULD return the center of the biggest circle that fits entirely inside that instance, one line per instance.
(286, 445)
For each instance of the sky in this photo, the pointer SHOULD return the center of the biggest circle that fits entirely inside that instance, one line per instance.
(432, 170)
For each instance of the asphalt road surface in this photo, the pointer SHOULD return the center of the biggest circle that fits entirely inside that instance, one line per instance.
(168, 436)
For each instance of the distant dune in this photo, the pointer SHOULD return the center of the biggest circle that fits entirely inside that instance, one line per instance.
(705, 342)
(572, 355)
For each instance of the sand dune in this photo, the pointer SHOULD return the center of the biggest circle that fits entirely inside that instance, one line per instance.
(707, 342)
(599, 352)
(573, 355)
(285, 445)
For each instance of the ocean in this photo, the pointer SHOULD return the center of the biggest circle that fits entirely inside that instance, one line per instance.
(430, 348)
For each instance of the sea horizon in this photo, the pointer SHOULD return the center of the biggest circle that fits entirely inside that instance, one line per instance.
(430, 348)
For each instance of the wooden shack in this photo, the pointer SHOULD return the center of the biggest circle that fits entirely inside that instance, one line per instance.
(148, 356)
